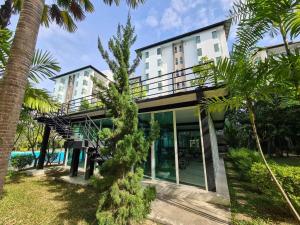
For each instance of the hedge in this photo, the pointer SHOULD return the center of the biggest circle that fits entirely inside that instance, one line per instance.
(288, 176)
(21, 161)
(243, 159)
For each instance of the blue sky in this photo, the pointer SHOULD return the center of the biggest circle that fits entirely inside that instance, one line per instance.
(154, 21)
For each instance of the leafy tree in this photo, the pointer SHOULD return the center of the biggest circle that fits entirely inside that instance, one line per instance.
(123, 200)
(258, 17)
(248, 82)
(18, 65)
(204, 72)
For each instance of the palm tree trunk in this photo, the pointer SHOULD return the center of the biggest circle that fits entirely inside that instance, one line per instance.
(284, 195)
(13, 83)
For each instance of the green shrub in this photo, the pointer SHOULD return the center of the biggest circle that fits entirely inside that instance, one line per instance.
(288, 176)
(21, 161)
(243, 159)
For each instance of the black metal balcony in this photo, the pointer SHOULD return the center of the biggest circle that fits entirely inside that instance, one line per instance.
(184, 80)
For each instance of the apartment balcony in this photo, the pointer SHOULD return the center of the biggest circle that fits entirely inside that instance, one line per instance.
(175, 87)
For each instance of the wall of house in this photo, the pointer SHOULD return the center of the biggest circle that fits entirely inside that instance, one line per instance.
(190, 51)
(82, 85)
(214, 144)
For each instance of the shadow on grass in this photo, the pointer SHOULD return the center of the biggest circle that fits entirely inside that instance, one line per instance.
(80, 203)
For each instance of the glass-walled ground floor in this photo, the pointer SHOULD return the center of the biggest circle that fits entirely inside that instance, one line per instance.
(177, 155)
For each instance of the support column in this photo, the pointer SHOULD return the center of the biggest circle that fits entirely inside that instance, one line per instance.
(202, 149)
(176, 147)
(152, 154)
(90, 164)
(75, 162)
(44, 147)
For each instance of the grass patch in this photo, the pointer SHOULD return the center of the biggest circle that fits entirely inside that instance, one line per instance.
(43, 200)
(250, 207)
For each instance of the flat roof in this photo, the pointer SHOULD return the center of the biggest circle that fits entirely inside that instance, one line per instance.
(79, 69)
(225, 23)
(279, 45)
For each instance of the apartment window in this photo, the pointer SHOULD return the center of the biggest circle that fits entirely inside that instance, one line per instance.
(146, 76)
(76, 84)
(146, 55)
(176, 61)
(83, 92)
(180, 48)
(181, 60)
(159, 86)
(147, 87)
(62, 80)
(198, 39)
(147, 66)
(214, 35)
(177, 73)
(59, 97)
(85, 82)
(159, 51)
(178, 85)
(218, 59)
(60, 88)
(159, 73)
(199, 51)
(182, 73)
(86, 73)
(75, 93)
(216, 47)
(159, 62)
(175, 49)
(183, 84)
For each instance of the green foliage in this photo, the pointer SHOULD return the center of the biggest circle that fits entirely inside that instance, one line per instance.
(84, 105)
(243, 159)
(5, 43)
(204, 72)
(288, 176)
(21, 161)
(123, 200)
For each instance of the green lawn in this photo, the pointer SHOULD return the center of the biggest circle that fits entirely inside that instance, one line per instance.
(251, 207)
(43, 200)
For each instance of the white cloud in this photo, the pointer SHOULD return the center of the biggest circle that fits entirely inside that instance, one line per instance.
(152, 21)
(182, 6)
(170, 19)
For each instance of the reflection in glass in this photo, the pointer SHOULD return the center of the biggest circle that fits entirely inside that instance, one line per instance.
(189, 148)
(144, 124)
(164, 148)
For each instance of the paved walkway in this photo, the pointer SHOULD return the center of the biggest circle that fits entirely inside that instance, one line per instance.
(187, 205)
(175, 204)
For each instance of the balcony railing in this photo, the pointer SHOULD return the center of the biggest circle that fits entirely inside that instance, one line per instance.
(184, 80)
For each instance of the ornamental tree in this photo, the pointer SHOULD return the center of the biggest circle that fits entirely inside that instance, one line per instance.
(123, 199)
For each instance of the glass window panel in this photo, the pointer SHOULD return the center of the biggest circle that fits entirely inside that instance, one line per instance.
(189, 148)
(144, 124)
(164, 148)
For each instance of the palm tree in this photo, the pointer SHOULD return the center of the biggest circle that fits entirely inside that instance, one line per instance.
(248, 82)
(13, 84)
(258, 17)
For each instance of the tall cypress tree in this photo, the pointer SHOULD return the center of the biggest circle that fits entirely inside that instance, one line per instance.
(123, 199)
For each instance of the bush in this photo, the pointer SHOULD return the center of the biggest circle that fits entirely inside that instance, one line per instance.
(21, 161)
(243, 159)
(288, 176)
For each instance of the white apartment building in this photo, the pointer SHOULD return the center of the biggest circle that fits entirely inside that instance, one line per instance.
(165, 64)
(77, 83)
(276, 50)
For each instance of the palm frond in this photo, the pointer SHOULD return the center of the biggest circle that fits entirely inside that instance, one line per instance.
(130, 3)
(5, 43)
(220, 104)
(43, 66)
(38, 99)
(293, 22)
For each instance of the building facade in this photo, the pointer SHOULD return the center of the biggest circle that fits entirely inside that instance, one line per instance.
(77, 83)
(165, 64)
(276, 50)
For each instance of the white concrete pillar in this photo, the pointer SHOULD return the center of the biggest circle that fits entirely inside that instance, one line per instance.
(202, 148)
(152, 154)
(176, 147)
